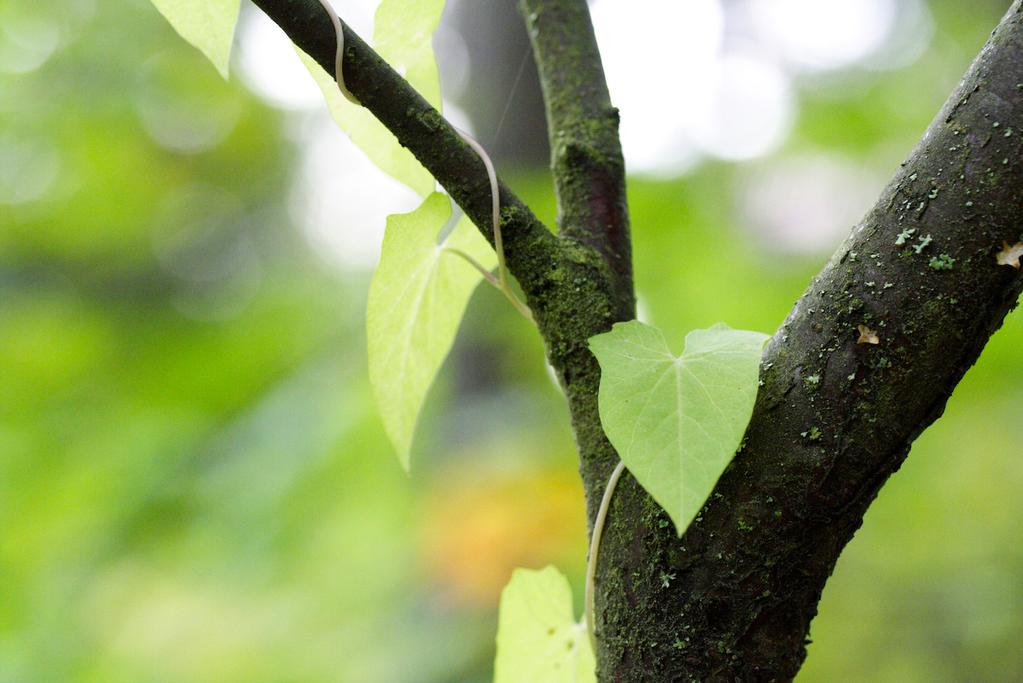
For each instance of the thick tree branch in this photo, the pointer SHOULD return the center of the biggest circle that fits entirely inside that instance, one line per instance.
(835, 417)
(586, 156)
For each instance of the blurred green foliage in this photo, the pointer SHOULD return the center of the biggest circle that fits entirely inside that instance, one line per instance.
(194, 485)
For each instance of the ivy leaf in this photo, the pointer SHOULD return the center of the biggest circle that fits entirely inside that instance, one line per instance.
(538, 640)
(416, 301)
(206, 24)
(402, 36)
(677, 421)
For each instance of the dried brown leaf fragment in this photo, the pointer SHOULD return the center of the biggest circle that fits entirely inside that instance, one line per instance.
(867, 335)
(1010, 255)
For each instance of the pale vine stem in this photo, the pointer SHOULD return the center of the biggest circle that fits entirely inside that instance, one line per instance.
(339, 53)
(501, 281)
(591, 561)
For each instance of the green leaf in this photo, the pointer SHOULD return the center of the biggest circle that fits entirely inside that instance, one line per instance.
(676, 422)
(206, 24)
(416, 301)
(538, 640)
(402, 36)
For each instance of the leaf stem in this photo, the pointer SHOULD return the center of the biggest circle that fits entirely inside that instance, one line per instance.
(495, 200)
(591, 562)
(492, 279)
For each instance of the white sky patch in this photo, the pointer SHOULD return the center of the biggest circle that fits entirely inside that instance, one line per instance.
(681, 94)
(909, 36)
(747, 113)
(818, 35)
(340, 199)
(452, 60)
(270, 67)
(656, 57)
(687, 89)
(809, 202)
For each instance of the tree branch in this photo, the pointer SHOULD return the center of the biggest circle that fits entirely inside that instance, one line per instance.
(569, 285)
(749, 572)
(530, 246)
(586, 155)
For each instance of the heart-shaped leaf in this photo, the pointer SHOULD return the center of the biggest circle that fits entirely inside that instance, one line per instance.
(538, 639)
(676, 421)
(416, 301)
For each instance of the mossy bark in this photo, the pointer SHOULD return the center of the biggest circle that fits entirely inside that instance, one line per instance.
(589, 177)
(586, 154)
(920, 271)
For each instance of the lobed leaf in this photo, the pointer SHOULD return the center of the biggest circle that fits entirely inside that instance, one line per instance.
(677, 422)
(538, 639)
(416, 302)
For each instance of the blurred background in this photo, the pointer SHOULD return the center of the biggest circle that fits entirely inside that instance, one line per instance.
(194, 484)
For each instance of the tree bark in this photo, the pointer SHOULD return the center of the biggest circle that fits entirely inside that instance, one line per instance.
(586, 154)
(589, 176)
(733, 599)
(834, 417)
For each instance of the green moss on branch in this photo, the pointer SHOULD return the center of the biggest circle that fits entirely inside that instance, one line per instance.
(586, 156)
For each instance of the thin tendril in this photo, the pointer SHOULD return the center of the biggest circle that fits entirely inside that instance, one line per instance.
(591, 561)
(487, 275)
(495, 204)
(339, 53)
(495, 199)
(492, 279)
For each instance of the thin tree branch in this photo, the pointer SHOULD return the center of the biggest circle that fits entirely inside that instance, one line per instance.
(921, 271)
(530, 246)
(586, 155)
(570, 286)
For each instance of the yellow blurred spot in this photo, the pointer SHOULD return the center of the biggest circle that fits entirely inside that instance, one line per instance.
(479, 526)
